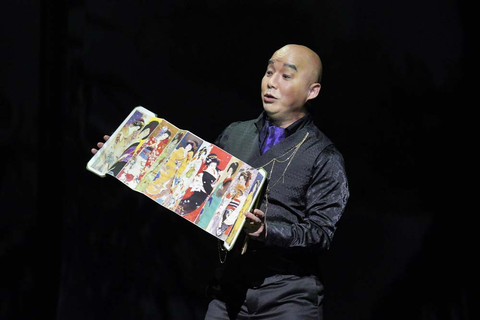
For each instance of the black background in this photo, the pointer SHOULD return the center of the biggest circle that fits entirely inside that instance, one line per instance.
(75, 246)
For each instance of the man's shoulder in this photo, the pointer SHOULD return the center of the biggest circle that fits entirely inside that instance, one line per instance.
(241, 124)
(240, 128)
(236, 133)
(316, 136)
(322, 146)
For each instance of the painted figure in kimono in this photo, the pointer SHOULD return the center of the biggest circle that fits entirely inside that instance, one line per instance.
(218, 225)
(180, 187)
(155, 147)
(134, 170)
(176, 163)
(216, 198)
(149, 176)
(128, 133)
(130, 151)
(202, 186)
(245, 207)
(231, 211)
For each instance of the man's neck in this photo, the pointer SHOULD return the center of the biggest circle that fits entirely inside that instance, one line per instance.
(285, 122)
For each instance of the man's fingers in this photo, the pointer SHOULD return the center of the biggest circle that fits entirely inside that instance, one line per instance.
(259, 213)
(100, 144)
(252, 218)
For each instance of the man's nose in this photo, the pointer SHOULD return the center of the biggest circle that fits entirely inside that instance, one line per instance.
(272, 81)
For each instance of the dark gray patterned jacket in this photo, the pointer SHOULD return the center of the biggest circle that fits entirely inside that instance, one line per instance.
(306, 196)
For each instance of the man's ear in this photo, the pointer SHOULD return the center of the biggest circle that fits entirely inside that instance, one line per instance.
(314, 91)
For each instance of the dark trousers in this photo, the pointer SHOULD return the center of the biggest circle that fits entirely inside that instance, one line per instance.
(287, 299)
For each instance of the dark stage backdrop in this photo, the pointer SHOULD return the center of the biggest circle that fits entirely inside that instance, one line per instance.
(75, 246)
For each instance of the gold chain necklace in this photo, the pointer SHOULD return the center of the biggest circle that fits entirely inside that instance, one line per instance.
(276, 159)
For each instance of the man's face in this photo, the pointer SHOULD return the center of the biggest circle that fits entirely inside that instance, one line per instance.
(286, 85)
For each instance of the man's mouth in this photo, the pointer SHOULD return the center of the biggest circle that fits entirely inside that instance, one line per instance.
(267, 97)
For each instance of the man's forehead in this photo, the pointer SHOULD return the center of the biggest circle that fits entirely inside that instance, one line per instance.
(288, 58)
(283, 64)
(303, 58)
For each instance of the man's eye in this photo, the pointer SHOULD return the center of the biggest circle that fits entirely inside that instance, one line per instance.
(269, 73)
(287, 76)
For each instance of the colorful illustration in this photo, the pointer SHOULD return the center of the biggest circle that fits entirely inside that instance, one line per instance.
(160, 187)
(203, 184)
(141, 164)
(155, 166)
(211, 204)
(134, 147)
(119, 141)
(232, 202)
(247, 205)
(184, 181)
(180, 171)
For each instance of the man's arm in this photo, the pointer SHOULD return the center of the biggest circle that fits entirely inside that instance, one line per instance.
(326, 199)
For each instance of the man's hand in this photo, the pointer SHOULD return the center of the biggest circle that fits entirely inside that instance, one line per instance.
(100, 144)
(255, 225)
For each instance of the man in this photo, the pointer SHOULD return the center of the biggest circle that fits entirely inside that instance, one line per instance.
(275, 274)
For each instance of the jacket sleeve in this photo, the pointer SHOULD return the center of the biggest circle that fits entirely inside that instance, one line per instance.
(326, 198)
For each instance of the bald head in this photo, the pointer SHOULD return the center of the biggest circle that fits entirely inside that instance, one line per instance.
(305, 59)
(291, 80)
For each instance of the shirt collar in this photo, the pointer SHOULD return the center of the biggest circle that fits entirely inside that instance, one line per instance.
(294, 127)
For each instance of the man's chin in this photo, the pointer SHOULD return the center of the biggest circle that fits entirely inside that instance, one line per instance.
(270, 108)
(272, 114)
